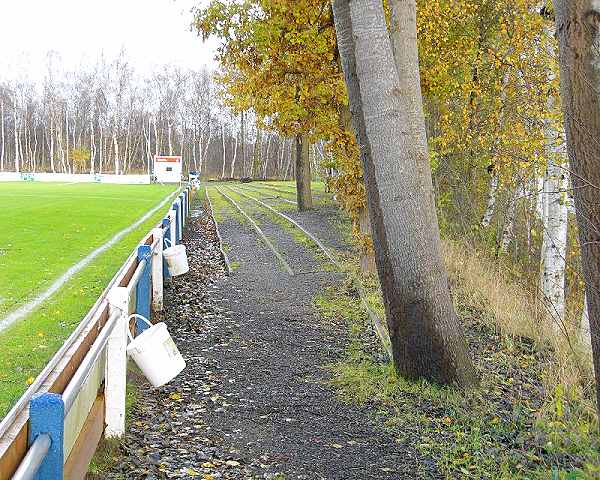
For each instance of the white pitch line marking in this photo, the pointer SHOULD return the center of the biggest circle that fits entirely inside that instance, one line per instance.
(26, 309)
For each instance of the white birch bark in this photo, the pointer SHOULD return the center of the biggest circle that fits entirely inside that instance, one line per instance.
(555, 221)
(508, 232)
(52, 144)
(17, 162)
(2, 145)
(116, 152)
(554, 244)
(92, 145)
(67, 139)
(101, 150)
(203, 149)
(266, 161)
(491, 202)
(235, 150)
(35, 148)
(223, 138)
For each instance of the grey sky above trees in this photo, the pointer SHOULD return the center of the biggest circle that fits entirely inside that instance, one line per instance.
(153, 32)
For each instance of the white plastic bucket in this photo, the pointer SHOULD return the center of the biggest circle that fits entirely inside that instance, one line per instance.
(155, 352)
(176, 258)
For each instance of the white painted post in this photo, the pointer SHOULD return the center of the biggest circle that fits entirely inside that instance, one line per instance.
(116, 365)
(172, 218)
(179, 213)
(157, 270)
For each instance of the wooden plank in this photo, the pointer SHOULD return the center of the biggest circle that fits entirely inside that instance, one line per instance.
(128, 274)
(11, 457)
(63, 379)
(77, 464)
(77, 415)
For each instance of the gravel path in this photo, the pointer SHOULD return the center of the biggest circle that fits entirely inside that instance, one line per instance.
(254, 401)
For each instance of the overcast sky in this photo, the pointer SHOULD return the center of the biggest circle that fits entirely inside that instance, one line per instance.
(153, 33)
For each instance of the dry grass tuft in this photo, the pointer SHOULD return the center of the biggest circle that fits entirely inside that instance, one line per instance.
(516, 310)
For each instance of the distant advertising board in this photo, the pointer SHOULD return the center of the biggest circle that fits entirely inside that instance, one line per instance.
(74, 178)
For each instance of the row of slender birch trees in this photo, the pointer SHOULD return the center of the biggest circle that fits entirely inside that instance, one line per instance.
(105, 118)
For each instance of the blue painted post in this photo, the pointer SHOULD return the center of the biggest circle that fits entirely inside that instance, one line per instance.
(178, 228)
(142, 290)
(47, 415)
(182, 197)
(166, 235)
(187, 203)
(181, 202)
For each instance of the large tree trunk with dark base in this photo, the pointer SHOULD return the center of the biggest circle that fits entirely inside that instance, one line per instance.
(427, 339)
(578, 31)
(303, 174)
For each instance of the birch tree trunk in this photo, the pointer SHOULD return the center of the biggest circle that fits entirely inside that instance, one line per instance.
(17, 163)
(235, 149)
(223, 137)
(554, 244)
(243, 143)
(156, 147)
(303, 175)
(508, 231)
(52, 145)
(204, 153)
(578, 31)
(101, 150)
(266, 159)
(116, 151)
(92, 146)
(35, 148)
(427, 339)
(281, 156)
(556, 215)
(195, 160)
(67, 139)
(2, 145)
(491, 202)
(257, 154)
(61, 150)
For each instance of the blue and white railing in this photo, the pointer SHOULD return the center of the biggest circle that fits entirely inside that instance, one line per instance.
(54, 429)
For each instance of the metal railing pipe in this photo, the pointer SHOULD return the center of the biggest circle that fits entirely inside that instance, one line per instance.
(139, 271)
(34, 458)
(81, 374)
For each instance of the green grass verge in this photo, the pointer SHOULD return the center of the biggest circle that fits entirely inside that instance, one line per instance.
(222, 209)
(26, 346)
(498, 431)
(49, 227)
(288, 190)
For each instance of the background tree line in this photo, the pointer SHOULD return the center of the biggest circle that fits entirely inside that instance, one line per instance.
(106, 118)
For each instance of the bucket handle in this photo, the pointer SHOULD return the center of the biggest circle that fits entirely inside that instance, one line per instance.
(140, 317)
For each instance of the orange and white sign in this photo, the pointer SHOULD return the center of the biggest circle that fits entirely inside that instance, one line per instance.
(168, 168)
(167, 158)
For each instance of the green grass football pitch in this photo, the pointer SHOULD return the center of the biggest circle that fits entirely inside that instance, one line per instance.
(45, 228)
